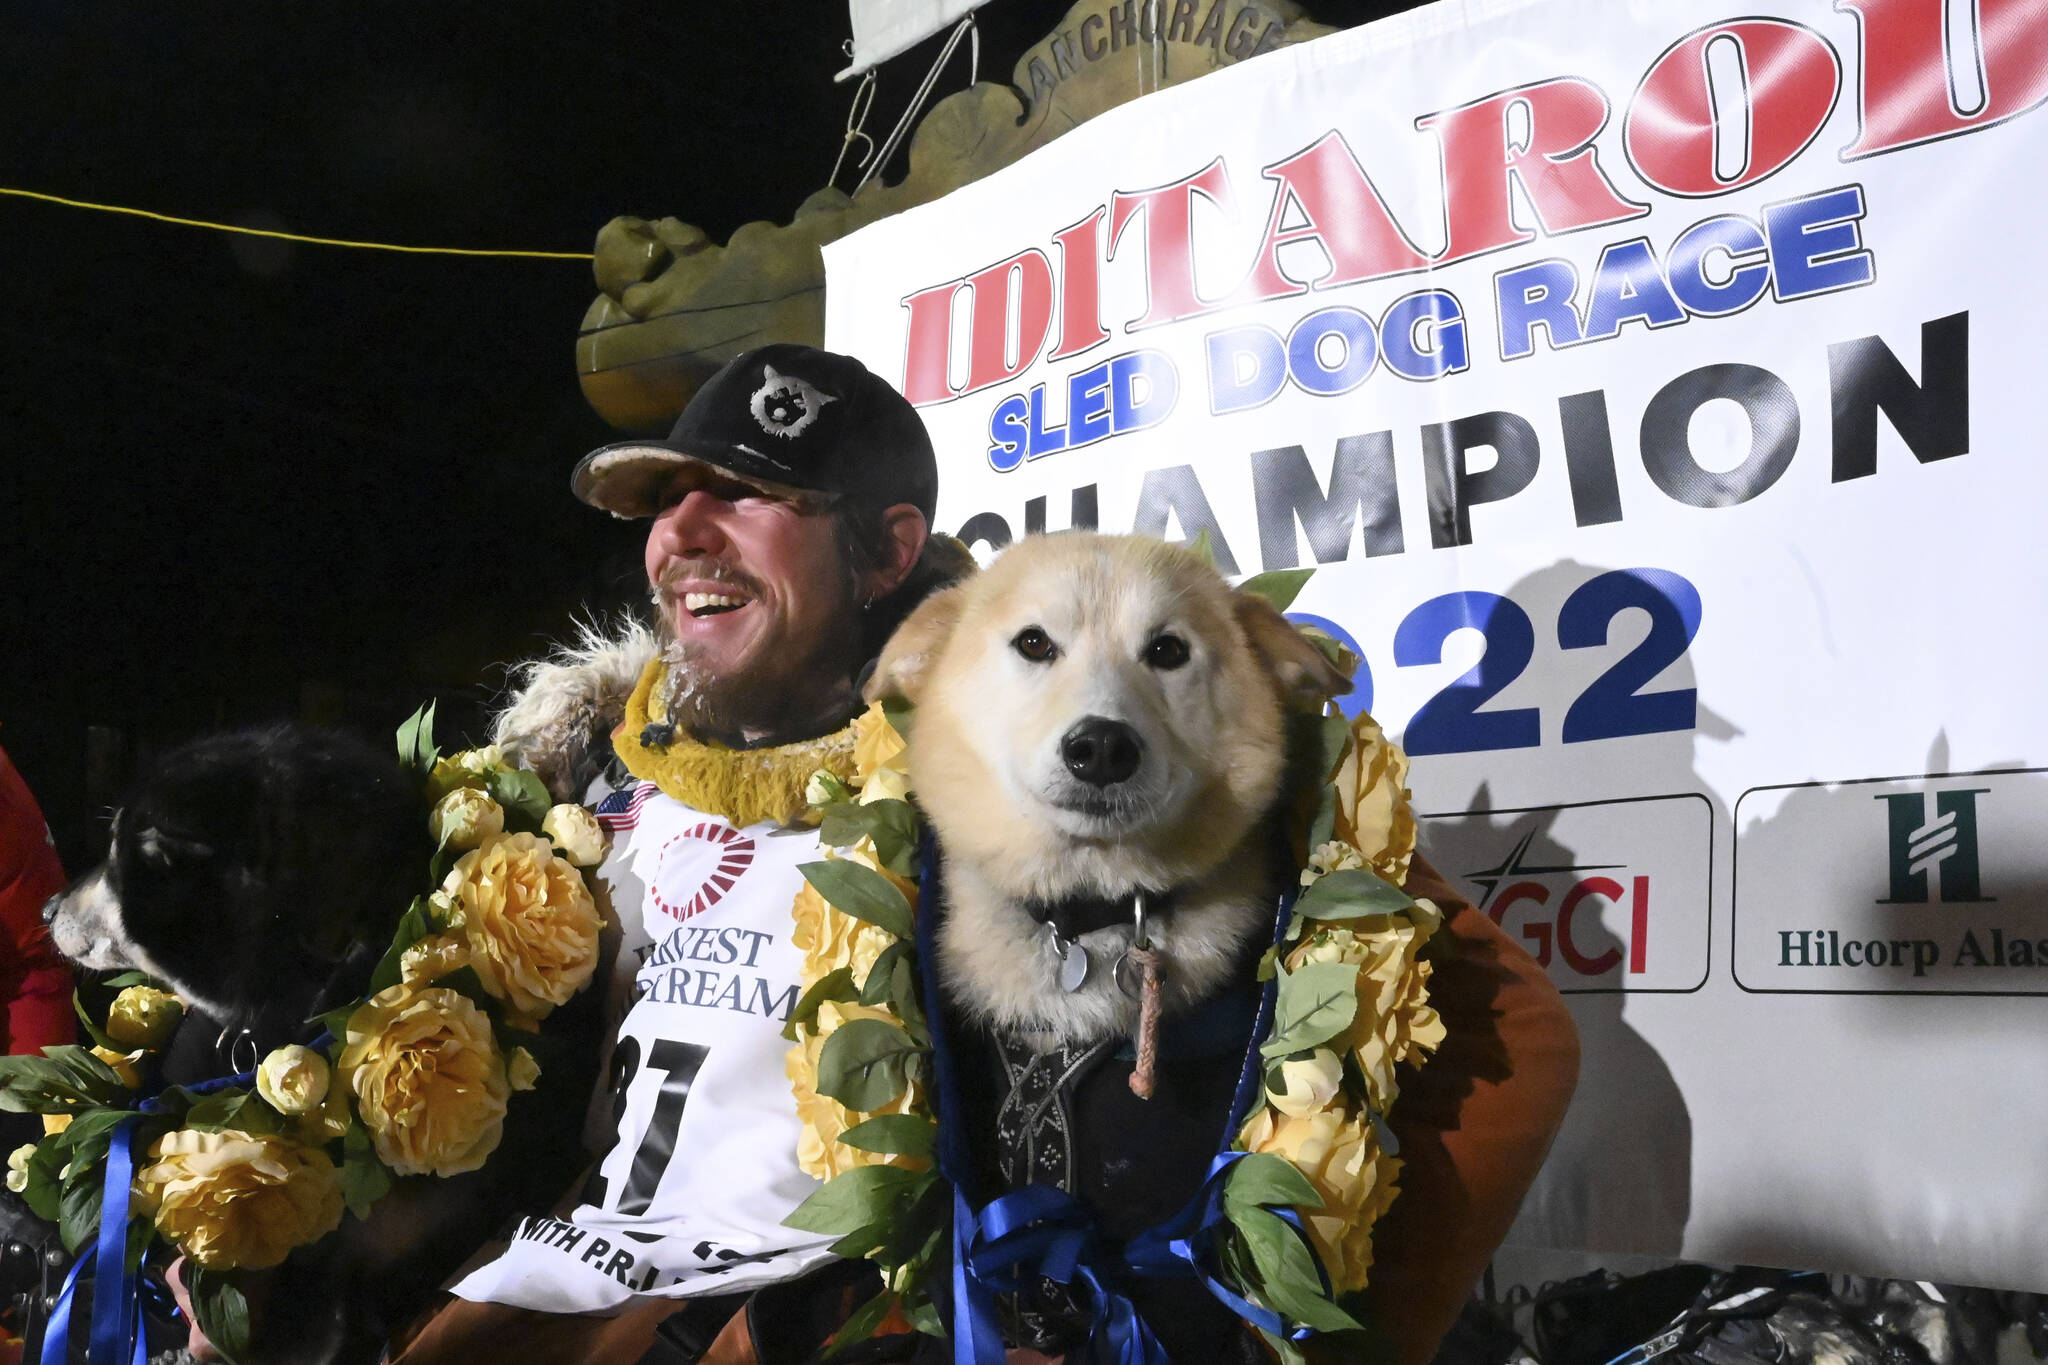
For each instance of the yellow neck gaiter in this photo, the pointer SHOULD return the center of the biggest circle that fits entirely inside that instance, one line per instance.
(745, 786)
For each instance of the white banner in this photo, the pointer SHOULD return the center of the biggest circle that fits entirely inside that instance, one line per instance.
(1658, 385)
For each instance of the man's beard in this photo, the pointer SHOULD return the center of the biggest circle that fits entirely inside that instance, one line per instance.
(773, 698)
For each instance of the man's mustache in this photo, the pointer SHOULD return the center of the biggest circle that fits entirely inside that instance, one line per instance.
(702, 571)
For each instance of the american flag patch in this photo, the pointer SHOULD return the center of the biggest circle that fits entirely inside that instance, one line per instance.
(621, 810)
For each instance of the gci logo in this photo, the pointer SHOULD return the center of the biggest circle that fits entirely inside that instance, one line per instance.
(1556, 928)
(1945, 845)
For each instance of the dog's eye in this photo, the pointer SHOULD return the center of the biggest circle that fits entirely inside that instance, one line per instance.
(1035, 645)
(1166, 652)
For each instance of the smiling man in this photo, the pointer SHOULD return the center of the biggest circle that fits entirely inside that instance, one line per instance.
(789, 513)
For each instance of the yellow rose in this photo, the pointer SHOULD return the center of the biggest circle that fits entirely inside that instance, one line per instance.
(432, 958)
(824, 789)
(54, 1124)
(143, 1016)
(232, 1199)
(1373, 815)
(531, 924)
(292, 1079)
(876, 745)
(830, 939)
(123, 1064)
(427, 1079)
(465, 818)
(818, 1150)
(1334, 856)
(17, 1166)
(522, 1070)
(326, 1121)
(470, 768)
(885, 784)
(1311, 1082)
(1394, 1018)
(1341, 1157)
(575, 834)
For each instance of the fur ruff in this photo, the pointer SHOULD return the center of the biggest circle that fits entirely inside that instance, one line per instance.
(564, 705)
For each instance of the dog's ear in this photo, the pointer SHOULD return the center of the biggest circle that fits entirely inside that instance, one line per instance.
(1305, 673)
(907, 657)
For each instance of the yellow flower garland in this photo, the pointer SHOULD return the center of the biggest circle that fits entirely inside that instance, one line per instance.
(746, 786)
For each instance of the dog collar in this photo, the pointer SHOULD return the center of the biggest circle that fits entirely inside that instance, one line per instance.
(1074, 916)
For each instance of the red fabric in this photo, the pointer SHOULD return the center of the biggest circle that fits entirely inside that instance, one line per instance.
(35, 984)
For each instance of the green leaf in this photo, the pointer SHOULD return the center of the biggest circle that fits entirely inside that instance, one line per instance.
(364, 1179)
(335, 1021)
(892, 824)
(416, 749)
(242, 1110)
(1269, 963)
(1287, 1277)
(861, 1325)
(865, 1063)
(1263, 1178)
(127, 979)
(1317, 1002)
(78, 1208)
(522, 794)
(43, 1194)
(882, 976)
(924, 1317)
(853, 1199)
(915, 1235)
(415, 924)
(861, 1241)
(903, 999)
(861, 892)
(86, 1139)
(899, 714)
(899, 1135)
(1280, 586)
(93, 1031)
(1352, 892)
(836, 984)
(222, 1309)
(215, 1111)
(1204, 545)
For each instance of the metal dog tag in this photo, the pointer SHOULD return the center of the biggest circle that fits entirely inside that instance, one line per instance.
(1072, 959)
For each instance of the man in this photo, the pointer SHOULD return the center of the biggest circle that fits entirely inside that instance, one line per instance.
(790, 511)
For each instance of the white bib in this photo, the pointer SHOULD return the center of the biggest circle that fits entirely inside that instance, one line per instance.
(702, 1169)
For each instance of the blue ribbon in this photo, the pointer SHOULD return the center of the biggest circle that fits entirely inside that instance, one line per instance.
(117, 1316)
(117, 1327)
(1040, 1230)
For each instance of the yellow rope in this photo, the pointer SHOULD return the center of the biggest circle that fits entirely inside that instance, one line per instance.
(291, 236)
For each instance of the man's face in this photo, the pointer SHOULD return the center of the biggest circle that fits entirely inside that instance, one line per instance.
(757, 600)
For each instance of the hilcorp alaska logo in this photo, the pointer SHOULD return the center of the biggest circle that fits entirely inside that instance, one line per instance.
(1634, 919)
(1920, 915)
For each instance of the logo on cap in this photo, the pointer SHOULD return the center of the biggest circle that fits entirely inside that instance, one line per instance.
(785, 404)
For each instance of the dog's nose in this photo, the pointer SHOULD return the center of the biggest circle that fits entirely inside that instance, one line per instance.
(1100, 751)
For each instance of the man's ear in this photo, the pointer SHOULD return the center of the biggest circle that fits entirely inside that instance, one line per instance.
(1305, 674)
(904, 533)
(907, 657)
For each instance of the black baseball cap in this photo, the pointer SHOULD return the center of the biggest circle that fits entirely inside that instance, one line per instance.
(790, 420)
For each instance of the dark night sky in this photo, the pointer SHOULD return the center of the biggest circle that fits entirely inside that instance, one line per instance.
(244, 482)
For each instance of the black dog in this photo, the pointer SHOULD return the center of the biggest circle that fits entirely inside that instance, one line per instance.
(260, 874)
